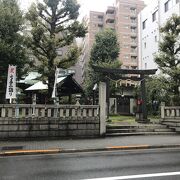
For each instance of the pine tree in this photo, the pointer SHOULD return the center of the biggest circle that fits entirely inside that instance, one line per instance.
(104, 53)
(168, 57)
(54, 26)
(12, 42)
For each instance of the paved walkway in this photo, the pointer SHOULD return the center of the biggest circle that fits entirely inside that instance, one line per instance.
(91, 143)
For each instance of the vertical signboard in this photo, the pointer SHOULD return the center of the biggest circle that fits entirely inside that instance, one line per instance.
(11, 83)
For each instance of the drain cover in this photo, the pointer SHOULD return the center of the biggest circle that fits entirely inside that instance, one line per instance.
(11, 148)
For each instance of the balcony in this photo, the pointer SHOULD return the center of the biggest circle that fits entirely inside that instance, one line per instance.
(110, 23)
(110, 10)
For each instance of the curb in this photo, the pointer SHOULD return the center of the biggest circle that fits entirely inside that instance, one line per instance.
(112, 148)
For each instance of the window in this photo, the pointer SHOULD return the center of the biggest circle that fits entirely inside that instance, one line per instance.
(155, 38)
(100, 25)
(110, 21)
(133, 29)
(126, 27)
(133, 39)
(144, 24)
(166, 6)
(154, 16)
(145, 65)
(145, 45)
(126, 46)
(100, 17)
(126, 17)
(125, 36)
(177, 1)
(134, 67)
(133, 58)
(126, 7)
(133, 10)
(133, 20)
(133, 49)
(126, 57)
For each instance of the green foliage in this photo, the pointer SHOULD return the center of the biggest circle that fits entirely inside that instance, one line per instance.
(105, 48)
(104, 53)
(54, 26)
(168, 57)
(12, 43)
(157, 90)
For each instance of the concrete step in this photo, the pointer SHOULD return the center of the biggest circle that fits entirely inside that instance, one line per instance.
(176, 120)
(164, 130)
(177, 129)
(120, 130)
(138, 130)
(171, 124)
(140, 133)
(149, 126)
(120, 127)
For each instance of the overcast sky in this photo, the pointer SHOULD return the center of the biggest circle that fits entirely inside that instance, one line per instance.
(86, 5)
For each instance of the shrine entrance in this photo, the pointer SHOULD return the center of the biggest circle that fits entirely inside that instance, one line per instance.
(129, 76)
(123, 105)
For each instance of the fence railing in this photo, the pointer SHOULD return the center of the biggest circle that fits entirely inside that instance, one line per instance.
(170, 111)
(40, 111)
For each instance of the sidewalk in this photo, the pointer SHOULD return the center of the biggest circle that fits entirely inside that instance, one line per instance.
(76, 145)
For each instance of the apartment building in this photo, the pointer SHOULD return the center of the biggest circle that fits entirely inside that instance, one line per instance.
(96, 22)
(151, 19)
(127, 31)
(123, 18)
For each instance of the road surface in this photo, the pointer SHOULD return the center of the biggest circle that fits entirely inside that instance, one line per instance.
(156, 164)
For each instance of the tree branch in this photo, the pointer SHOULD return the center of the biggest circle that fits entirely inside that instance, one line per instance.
(57, 24)
(39, 46)
(44, 18)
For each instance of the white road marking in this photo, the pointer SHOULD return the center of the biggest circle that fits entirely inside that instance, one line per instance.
(138, 176)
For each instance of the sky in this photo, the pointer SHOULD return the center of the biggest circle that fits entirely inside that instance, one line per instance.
(86, 5)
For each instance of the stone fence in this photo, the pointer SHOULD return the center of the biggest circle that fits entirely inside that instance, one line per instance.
(170, 116)
(170, 112)
(34, 120)
(28, 120)
(47, 111)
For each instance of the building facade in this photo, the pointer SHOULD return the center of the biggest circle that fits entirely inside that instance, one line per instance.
(127, 31)
(123, 18)
(151, 19)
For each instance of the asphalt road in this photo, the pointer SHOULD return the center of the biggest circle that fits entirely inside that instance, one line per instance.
(145, 164)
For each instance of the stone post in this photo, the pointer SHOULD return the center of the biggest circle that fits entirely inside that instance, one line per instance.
(162, 110)
(143, 97)
(34, 105)
(102, 103)
(3, 112)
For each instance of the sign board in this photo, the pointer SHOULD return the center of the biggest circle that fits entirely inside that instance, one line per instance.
(11, 83)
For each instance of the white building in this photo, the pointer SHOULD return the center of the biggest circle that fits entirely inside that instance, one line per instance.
(151, 18)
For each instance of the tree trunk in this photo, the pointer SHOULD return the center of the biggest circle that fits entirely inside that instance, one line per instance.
(50, 89)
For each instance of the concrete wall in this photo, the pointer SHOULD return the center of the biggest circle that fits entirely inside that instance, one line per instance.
(49, 127)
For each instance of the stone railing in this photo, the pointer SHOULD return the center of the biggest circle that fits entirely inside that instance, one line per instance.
(170, 112)
(33, 121)
(47, 111)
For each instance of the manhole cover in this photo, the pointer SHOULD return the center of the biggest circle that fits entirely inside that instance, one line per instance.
(11, 148)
